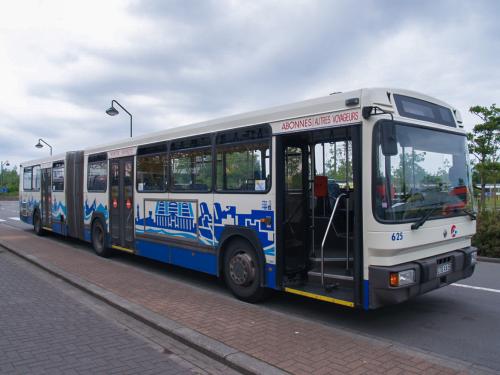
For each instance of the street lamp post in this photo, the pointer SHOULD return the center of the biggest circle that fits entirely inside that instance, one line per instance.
(3, 164)
(112, 111)
(39, 145)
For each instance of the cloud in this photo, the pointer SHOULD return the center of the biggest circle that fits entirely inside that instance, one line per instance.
(176, 62)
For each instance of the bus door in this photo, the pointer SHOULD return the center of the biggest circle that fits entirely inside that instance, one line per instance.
(321, 216)
(296, 204)
(121, 203)
(332, 204)
(46, 195)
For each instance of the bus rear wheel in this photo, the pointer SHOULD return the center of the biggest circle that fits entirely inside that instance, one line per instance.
(241, 271)
(99, 239)
(37, 224)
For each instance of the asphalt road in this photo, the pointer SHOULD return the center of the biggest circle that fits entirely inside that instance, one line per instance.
(456, 321)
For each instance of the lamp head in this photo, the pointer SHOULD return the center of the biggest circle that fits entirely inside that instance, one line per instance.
(112, 111)
(38, 145)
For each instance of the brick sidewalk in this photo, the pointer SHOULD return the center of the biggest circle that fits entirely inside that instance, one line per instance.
(45, 329)
(294, 345)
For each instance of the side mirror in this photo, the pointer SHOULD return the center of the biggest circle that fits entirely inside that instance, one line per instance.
(366, 112)
(389, 140)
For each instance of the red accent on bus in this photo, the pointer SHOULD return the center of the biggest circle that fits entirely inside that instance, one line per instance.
(460, 192)
(320, 186)
(381, 191)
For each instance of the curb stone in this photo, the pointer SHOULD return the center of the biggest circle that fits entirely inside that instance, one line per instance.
(213, 348)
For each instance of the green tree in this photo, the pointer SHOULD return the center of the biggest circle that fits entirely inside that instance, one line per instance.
(10, 180)
(294, 168)
(491, 170)
(484, 143)
(339, 162)
(408, 174)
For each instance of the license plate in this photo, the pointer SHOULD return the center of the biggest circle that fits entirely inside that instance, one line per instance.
(443, 268)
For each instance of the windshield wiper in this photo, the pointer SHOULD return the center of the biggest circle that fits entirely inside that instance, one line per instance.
(417, 224)
(428, 214)
(471, 214)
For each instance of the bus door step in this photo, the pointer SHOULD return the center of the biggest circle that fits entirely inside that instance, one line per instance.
(331, 280)
(344, 235)
(331, 276)
(330, 259)
(340, 295)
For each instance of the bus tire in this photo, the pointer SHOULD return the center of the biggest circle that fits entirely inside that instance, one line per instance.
(37, 224)
(241, 271)
(99, 239)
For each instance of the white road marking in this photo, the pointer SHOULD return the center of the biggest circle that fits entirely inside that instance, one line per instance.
(14, 218)
(477, 288)
(2, 220)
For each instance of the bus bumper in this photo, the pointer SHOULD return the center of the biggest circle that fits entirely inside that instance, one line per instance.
(429, 274)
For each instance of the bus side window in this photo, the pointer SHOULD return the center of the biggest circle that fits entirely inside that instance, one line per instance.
(27, 178)
(243, 167)
(191, 170)
(97, 176)
(58, 176)
(151, 173)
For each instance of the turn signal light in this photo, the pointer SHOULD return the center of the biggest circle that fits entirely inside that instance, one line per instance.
(394, 279)
(402, 278)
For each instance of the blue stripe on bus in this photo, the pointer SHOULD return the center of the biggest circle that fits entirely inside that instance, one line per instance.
(86, 235)
(153, 250)
(366, 294)
(59, 228)
(270, 275)
(27, 219)
(187, 258)
(195, 260)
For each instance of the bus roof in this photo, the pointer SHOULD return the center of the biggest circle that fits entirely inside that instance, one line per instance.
(49, 159)
(331, 103)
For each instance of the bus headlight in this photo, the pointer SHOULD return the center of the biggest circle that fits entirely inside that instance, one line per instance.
(473, 258)
(402, 278)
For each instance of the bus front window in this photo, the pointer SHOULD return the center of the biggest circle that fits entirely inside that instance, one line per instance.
(425, 170)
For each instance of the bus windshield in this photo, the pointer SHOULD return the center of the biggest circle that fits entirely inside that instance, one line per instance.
(419, 173)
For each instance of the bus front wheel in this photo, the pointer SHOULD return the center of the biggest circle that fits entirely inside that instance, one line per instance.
(99, 239)
(241, 271)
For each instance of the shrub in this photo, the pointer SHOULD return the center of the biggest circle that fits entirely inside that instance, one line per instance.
(487, 237)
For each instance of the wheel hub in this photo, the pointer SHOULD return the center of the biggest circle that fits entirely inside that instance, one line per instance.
(242, 269)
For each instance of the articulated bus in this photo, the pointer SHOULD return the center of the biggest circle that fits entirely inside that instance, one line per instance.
(360, 198)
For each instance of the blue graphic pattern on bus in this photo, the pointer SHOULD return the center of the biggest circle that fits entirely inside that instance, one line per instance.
(31, 204)
(177, 218)
(27, 207)
(89, 210)
(171, 218)
(58, 209)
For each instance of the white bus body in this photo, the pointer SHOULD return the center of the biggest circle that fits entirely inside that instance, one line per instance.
(359, 198)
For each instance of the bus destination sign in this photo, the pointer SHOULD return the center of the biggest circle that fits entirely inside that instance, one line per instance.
(318, 121)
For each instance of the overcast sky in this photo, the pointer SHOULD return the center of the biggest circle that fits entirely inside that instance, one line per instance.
(175, 62)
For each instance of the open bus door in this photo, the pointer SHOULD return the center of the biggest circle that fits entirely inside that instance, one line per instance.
(321, 237)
